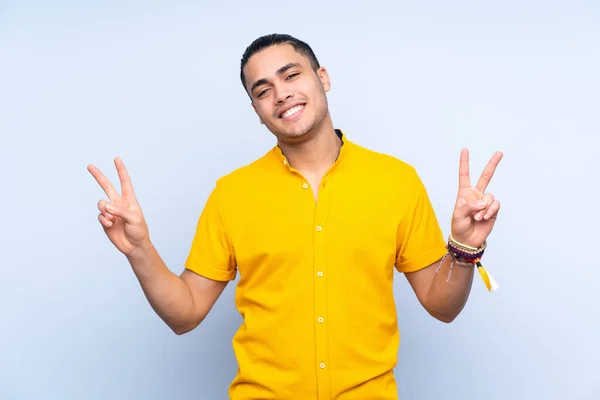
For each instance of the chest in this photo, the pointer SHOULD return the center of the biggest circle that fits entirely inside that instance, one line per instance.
(315, 220)
(314, 182)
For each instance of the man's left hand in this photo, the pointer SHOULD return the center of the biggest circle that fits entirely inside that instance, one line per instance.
(475, 211)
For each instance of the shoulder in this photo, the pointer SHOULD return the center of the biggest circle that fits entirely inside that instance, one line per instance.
(246, 175)
(380, 161)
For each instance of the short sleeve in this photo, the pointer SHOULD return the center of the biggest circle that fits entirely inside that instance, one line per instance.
(211, 254)
(420, 241)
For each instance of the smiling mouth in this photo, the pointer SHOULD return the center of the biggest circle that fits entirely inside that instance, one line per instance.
(292, 111)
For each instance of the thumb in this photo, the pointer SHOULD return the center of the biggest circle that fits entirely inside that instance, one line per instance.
(127, 215)
(465, 208)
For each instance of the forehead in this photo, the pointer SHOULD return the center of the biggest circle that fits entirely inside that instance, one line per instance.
(266, 62)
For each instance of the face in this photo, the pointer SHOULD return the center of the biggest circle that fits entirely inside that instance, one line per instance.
(287, 94)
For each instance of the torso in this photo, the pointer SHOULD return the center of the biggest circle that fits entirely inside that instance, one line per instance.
(314, 182)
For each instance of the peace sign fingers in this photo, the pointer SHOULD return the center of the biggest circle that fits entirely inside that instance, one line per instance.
(488, 172)
(126, 186)
(103, 181)
(464, 177)
(109, 189)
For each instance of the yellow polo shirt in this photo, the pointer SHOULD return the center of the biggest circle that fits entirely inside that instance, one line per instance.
(315, 288)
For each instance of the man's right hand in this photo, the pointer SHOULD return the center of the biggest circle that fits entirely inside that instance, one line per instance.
(121, 216)
(181, 301)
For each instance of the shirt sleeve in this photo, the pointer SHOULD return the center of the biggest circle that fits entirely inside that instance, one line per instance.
(420, 239)
(211, 254)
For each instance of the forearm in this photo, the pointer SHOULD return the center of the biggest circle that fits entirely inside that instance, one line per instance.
(446, 298)
(168, 294)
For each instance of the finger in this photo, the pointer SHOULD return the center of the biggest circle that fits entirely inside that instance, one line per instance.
(106, 224)
(102, 207)
(464, 179)
(465, 209)
(103, 181)
(126, 187)
(471, 207)
(488, 198)
(492, 211)
(129, 216)
(488, 171)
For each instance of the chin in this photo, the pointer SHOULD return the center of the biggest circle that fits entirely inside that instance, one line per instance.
(294, 134)
(299, 130)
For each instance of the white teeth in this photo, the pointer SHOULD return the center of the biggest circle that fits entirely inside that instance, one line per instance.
(291, 111)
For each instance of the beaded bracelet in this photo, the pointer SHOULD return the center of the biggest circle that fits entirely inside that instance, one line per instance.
(464, 255)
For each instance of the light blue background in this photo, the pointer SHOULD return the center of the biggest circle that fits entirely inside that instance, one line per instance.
(158, 85)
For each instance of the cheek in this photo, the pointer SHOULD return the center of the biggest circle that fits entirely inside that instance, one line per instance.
(263, 111)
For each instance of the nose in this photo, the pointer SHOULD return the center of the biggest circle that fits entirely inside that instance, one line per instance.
(283, 95)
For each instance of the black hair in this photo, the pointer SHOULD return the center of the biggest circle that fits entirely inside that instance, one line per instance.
(266, 41)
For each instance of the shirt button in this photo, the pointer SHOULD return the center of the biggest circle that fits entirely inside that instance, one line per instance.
(322, 365)
(320, 273)
(319, 228)
(320, 319)
(305, 185)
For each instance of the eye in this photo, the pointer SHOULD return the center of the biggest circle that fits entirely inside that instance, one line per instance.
(292, 75)
(262, 92)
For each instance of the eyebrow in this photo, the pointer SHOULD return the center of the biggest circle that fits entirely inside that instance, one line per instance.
(280, 71)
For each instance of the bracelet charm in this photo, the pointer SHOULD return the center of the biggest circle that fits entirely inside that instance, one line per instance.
(464, 255)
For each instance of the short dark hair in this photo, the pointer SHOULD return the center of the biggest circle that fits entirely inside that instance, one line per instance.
(266, 41)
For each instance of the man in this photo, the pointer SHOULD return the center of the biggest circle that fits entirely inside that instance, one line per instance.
(315, 229)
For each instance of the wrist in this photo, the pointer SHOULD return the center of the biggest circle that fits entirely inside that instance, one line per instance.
(466, 252)
(466, 241)
(142, 251)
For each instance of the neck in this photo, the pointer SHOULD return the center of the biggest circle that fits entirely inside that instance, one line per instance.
(315, 154)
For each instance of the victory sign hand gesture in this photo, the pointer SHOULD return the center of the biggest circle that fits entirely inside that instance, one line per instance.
(121, 216)
(475, 211)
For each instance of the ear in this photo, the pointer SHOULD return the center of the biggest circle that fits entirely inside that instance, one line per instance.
(324, 77)
(259, 118)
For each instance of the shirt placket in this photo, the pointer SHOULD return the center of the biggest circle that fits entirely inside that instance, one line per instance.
(320, 274)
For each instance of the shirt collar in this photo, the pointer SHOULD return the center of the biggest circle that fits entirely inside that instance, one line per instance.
(346, 144)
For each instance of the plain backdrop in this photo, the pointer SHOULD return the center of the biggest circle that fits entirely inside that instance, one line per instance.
(157, 83)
